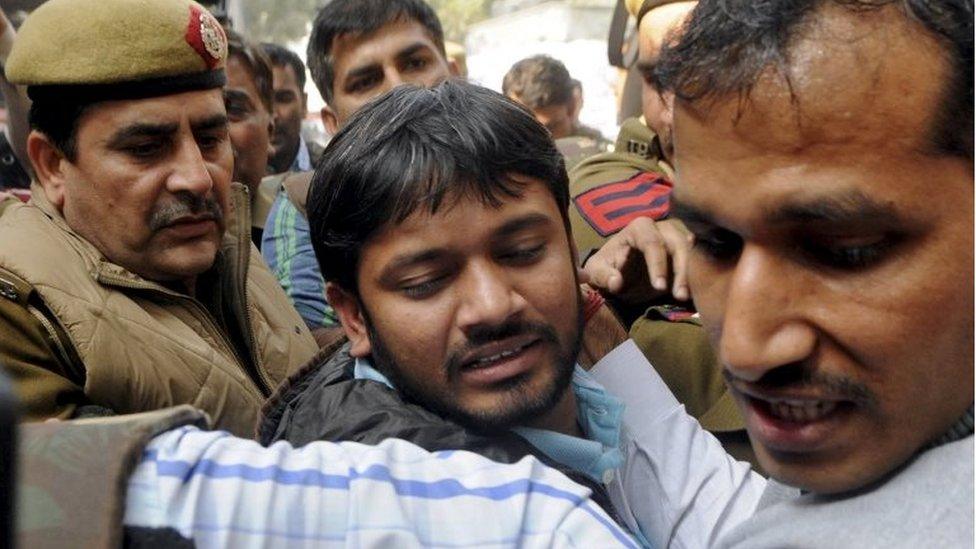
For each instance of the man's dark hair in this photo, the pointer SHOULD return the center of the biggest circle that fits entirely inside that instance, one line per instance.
(727, 44)
(539, 82)
(58, 120)
(421, 149)
(281, 56)
(361, 18)
(258, 63)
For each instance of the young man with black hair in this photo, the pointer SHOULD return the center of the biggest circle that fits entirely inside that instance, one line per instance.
(358, 50)
(825, 168)
(439, 219)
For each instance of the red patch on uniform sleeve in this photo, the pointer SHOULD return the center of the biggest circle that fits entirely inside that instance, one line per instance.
(610, 207)
(205, 35)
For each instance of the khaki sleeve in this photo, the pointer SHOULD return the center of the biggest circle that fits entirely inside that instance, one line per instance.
(43, 381)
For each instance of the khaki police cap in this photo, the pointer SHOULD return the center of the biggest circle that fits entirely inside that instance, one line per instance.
(146, 47)
(638, 8)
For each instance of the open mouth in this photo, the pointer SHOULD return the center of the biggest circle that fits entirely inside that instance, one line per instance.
(799, 411)
(491, 360)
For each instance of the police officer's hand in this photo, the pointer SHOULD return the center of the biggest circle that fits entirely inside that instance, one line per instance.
(637, 263)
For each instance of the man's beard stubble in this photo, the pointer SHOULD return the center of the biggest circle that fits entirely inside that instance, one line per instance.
(518, 409)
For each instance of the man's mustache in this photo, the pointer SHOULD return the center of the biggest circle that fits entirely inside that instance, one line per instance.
(803, 378)
(483, 335)
(186, 205)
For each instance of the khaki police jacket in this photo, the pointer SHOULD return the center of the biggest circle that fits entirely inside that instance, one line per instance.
(76, 329)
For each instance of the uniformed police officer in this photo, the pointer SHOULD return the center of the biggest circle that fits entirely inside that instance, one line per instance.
(129, 282)
(634, 182)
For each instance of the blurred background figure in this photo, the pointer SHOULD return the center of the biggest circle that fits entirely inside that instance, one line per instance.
(544, 86)
(291, 153)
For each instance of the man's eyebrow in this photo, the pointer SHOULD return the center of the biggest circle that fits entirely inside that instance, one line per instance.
(140, 130)
(411, 49)
(408, 260)
(231, 94)
(515, 226)
(215, 122)
(851, 207)
(363, 70)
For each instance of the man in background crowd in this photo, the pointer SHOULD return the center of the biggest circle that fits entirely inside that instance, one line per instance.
(291, 152)
(248, 97)
(545, 87)
(358, 50)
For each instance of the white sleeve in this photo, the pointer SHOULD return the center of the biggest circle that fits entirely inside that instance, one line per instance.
(678, 483)
(222, 491)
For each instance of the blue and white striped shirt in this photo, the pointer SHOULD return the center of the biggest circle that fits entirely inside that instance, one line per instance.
(223, 491)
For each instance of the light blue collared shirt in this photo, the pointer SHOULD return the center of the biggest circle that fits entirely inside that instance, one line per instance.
(599, 414)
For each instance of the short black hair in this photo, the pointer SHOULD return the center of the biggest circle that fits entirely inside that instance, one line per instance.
(361, 18)
(538, 82)
(259, 64)
(418, 148)
(727, 44)
(281, 56)
(58, 120)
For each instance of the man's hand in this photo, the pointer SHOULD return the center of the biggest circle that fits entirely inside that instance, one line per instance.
(637, 262)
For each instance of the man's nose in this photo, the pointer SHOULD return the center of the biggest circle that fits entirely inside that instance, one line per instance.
(763, 324)
(190, 173)
(488, 297)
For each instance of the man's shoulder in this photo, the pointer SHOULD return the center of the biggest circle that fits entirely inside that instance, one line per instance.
(928, 502)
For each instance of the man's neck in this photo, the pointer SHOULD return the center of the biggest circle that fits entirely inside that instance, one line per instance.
(562, 418)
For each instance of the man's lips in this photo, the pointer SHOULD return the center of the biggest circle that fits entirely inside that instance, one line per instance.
(191, 226)
(792, 420)
(490, 353)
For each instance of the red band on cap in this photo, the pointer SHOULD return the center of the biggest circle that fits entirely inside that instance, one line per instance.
(205, 35)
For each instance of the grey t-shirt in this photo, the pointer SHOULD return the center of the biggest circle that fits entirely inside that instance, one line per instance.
(927, 503)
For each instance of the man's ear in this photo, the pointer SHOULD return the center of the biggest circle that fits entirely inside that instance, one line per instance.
(304, 105)
(453, 68)
(351, 316)
(50, 167)
(329, 120)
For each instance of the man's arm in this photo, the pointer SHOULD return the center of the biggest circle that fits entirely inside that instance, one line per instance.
(222, 491)
(677, 483)
(37, 355)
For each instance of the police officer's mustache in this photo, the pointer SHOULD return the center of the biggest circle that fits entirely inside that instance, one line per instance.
(199, 208)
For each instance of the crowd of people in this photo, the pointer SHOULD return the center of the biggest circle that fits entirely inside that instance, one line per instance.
(470, 320)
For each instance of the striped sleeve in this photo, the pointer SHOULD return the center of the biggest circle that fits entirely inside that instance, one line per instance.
(223, 491)
(286, 246)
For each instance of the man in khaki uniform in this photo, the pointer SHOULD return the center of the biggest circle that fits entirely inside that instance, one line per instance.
(129, 281)
(612, 189)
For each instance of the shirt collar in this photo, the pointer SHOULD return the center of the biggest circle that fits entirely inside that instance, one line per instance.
(303, 161)
(599, 414)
